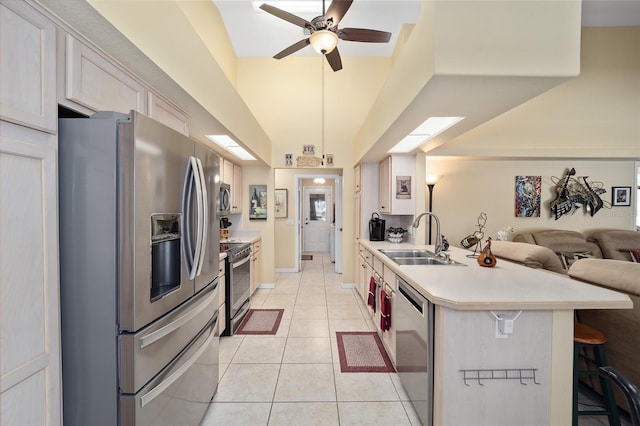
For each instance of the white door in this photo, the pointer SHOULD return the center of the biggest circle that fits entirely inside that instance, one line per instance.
(317, 218)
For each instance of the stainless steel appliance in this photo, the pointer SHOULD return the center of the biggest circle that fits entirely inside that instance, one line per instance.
(413, 319)
(224, 200)
(238, 283)
(139, 266)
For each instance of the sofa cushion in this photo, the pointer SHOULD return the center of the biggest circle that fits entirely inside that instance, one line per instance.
(560, 241)
(616, 243)
(615, 274)
(568, 258)
(530, 255)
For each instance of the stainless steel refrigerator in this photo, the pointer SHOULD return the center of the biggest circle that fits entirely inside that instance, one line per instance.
(139, 245)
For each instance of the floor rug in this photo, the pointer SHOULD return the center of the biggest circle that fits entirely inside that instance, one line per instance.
(261, 321)
(362, 352)
(307, 257)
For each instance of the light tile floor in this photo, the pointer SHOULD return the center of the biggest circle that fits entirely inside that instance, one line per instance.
(293, 377)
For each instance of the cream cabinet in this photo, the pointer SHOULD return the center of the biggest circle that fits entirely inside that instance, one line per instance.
(357, 175)
(256, 265)
(168, 114)
(98, 84)
(27, 67)
(236, 190)
(30, 371)
(396, 185)
(227, 171)
(222, 303)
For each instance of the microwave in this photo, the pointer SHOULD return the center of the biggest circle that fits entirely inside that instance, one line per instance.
(224, 200)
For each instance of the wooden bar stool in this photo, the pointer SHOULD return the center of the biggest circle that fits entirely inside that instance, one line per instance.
(585, 337)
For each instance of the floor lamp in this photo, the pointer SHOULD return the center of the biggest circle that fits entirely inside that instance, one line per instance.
(431, 182)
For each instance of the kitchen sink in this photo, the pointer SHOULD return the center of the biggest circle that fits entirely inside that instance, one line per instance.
(417, 257)
(405, 253)
(424, 261)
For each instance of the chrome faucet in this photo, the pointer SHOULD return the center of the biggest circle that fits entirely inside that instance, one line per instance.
(439, 247)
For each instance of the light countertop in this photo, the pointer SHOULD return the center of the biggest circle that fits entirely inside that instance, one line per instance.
(244, 236)
(506, 286)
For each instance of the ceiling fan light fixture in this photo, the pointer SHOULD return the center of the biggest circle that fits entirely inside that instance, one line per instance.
(323, 41)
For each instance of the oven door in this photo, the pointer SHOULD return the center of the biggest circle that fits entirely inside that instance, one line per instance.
(224, 200)
(240, 288)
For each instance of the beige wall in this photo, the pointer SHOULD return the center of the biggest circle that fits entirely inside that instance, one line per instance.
(595, 115)
(468, 186)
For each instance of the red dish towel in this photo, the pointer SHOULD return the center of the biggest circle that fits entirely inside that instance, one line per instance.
(371, 300)
(385, 311)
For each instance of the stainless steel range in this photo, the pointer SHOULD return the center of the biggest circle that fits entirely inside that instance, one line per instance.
(238, 283)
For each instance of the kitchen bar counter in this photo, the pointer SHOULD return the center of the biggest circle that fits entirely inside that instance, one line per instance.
(470, 352)
(505, 286)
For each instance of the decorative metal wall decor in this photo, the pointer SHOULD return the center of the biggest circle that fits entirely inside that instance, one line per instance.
(571, 194)
(528, 194)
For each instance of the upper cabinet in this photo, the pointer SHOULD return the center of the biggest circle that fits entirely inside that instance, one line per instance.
(28, 63)
(236, 190)
(168, 114)
(396, 185)
(95, 83)
(357, 177)
(227, 171)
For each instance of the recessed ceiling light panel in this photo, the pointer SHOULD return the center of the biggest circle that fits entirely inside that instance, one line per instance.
(429, 129)
(232, 146)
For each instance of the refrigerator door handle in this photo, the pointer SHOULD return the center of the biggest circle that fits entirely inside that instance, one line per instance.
(153, 393)
(204, 209)
(174, 325)
(193, 254)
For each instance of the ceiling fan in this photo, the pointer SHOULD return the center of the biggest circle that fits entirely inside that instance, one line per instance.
(325, 32)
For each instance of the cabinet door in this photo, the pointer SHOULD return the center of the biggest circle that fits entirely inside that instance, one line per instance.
(357, 177)
(384, 188)
(30, 384)
(358, 212)
(94, 82)
(236, 190)
(256, 265)
(28, 64)
(227, 172)
(168, 114)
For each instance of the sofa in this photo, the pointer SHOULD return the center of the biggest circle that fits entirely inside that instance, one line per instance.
(607, 261)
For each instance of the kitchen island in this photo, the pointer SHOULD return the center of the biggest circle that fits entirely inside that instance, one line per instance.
(502, 336)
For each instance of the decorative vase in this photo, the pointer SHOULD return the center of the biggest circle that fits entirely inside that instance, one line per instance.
(486, 258)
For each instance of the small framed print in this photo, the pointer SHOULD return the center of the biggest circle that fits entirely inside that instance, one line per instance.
(620, 195)
(308, 149)
(280, 201)
(329, 158)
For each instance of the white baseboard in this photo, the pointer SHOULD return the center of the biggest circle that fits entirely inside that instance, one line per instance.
(267, 285)
(287, 270)
(348, 285)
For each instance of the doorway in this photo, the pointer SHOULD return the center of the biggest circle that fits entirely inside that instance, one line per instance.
(317, 218)
(324, 200)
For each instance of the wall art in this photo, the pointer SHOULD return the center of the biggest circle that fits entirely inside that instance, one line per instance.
(573, 192)
(403, 187)
(308, 149)
(620, 196)
(288, 160)
(257, 202)
(528, 196)
(280, 203)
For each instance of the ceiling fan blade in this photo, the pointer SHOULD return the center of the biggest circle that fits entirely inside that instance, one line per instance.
(334, 60)
(289, 17)
(364, 35)
(336, 11)
(292, 49)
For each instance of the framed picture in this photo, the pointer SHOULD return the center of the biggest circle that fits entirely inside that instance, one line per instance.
(280, 203)
(528, 194)
(620, 195)
(257, 202)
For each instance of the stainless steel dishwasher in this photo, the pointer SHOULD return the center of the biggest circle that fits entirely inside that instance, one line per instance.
(414, 357)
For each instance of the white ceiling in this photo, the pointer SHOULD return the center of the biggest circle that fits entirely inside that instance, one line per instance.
(255, 33)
